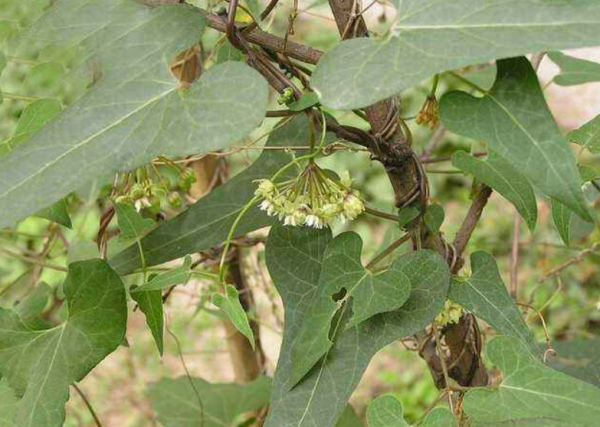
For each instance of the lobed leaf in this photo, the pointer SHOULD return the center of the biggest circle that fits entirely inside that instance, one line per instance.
(514, 119)
(531, 394)
(485, 295)
(500, 175)
(364, 295)
(574, 71)
(588, 135)
(295, 259)
(40, 365)
(176, 276)
(432, 36)
(230, 305)
(136, 111)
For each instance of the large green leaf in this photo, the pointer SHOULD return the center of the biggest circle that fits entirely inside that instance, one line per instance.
(531, 394)
(574, 71)
(485, 295)
(294, 258)
(183, 401)
(588, 135)
(40, 365)
(578, 358)
(438, 35)
(137, 110)
(8, 405)
(514, 119)
(364, 293)
(500, 175)
(207, 222)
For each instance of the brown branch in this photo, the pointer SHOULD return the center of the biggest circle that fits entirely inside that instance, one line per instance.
(268, 41)
(468, 226)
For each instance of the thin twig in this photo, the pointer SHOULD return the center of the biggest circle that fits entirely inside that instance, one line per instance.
(391, 248)
(88, 405)
(575, 260)
(380, 214)
(32, 260)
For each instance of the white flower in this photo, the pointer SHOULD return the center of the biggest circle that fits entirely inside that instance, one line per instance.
(290, 220)
(142, 203)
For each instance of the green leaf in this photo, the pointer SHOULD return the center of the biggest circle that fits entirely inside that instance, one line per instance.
(131, 223)
(562, 216)
(34, 117)
(364, 294)
(294, 258)
(8, 405)
(579, 359)
(574, 71)
(588, 172)
(528, 138)
(57, 213)
(136, 111)
(439, 417)
(349, 418)
(176, 276)
(437, 35)
(178, 403)
(151, 304)
(500, 175)
(588, 135)
(434, 217)
(307, 100)
(485, 295)
(226, 52)
(32, 307)
(229, 304)
(386, 411)
(531, 394)
(41, 365)
(207, 222)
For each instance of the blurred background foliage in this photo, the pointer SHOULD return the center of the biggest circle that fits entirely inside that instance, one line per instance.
(38, 251)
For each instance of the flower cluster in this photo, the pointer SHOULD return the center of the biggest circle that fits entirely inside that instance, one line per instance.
(451, 313)
(313, 199)
(429, 114)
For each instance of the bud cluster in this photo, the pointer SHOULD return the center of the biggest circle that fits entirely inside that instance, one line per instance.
(313, 199)
(451, 313)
